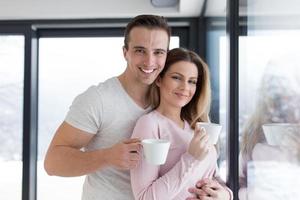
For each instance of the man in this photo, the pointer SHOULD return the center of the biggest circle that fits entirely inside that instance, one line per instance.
(93, 139)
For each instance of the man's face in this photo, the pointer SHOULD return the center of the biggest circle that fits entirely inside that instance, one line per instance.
(146, 54)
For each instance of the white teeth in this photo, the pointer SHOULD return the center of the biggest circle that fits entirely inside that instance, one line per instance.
(147, 71)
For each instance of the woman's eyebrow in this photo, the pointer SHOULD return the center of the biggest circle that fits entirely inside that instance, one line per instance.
(177, 73)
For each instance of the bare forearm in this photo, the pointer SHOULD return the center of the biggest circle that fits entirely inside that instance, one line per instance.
(68, 161)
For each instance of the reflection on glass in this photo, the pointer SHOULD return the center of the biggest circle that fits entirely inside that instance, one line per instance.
(11, 98)
(216, 57)
(269, 93)
(67, 67)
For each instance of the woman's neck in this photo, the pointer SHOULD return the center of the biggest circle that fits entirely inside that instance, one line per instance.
(171, 113)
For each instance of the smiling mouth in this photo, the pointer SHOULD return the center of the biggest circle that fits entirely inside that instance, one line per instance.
(147, 71)
(181, 95)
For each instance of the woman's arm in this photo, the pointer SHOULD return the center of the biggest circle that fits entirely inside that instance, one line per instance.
(146, 180)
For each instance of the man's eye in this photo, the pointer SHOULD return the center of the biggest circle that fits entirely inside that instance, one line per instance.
(159, 53)
(139, 51)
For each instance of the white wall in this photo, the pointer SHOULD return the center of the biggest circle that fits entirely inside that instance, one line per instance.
(84, 9)
(90, 9)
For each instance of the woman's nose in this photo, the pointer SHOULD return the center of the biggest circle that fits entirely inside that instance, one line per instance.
(184, 85)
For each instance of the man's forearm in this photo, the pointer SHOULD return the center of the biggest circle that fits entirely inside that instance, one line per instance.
(68, 162)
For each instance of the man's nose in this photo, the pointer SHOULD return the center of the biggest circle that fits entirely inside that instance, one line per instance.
(149, 60)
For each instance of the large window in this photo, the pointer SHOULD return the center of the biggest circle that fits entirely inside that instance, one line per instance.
(67, 67)
(269, 93)
(11, 106)
(269, 96)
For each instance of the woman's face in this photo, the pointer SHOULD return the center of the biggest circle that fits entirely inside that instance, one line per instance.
(178, 85)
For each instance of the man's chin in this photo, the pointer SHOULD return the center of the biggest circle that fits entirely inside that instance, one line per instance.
(148, 81)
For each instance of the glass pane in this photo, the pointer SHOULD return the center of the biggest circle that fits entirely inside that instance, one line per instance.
(216, 59)
(271, 76)
(11, 109)
(68, 66)
(270, 94)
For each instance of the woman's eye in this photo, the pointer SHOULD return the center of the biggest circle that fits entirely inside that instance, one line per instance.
(193, 82)
(175, 77)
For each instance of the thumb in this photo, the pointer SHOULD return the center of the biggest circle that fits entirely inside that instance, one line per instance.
(199, 132)
(197, 135)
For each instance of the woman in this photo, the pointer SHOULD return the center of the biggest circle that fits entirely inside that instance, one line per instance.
(180, 97)
(278, 102)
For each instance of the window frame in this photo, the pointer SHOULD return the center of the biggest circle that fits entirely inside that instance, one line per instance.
(32, 30)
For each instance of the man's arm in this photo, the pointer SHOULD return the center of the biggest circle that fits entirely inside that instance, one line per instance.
(65, 157)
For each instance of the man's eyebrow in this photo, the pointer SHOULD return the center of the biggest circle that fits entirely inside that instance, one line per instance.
(139, 47)
(158, 49)
(164, 50)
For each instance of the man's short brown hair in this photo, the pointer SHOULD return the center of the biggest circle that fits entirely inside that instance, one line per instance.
(147, 21)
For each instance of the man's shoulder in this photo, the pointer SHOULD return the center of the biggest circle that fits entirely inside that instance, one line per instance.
(109, 85)
(95, 92)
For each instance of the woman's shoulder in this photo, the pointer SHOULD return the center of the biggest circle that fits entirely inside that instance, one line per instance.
(146, 126)
(150, 118)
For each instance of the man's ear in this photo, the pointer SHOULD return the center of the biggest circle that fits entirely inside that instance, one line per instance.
(125, 53)
(158, 81)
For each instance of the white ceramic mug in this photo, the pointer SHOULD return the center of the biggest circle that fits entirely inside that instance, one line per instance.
(279, 134)
(212, 129)
(155, 150)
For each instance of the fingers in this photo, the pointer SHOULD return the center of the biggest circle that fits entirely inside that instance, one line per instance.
(209, 191)
(191, 198)
(132, 140)
(134, 157)
(210, 183)
(201, 135)
(205, 181)
(206, 198)
(197, 191)
(199, 194)
(133, 147)
(125, 155)
(128, 163)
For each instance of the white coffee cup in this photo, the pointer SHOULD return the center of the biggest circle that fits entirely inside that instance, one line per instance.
(212, 129)
(156, 150)
(279, 134)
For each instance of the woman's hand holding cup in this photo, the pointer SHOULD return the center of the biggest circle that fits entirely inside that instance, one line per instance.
(199, 145)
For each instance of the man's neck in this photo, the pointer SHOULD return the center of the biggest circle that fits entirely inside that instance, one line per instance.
(136, 90)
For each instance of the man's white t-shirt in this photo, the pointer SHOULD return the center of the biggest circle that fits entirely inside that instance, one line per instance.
(110, 113)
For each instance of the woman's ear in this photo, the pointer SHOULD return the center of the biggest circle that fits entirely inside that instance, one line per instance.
(158, 81)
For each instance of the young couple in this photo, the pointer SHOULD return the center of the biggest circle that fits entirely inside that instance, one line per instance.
(94, 139)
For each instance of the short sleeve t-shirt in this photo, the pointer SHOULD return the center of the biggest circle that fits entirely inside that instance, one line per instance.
(108, 112)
